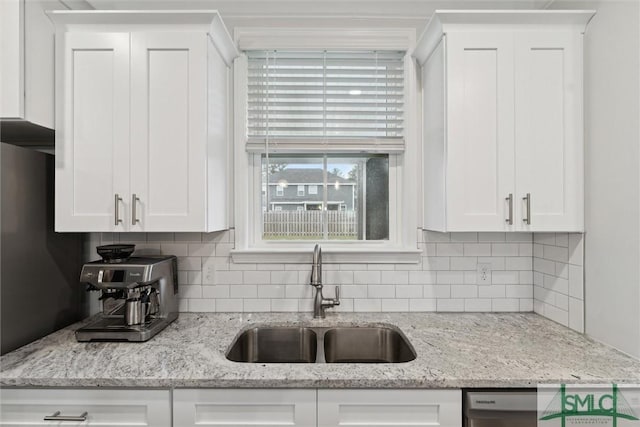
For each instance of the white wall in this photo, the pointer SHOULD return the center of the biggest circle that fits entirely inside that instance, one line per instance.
(612, 166)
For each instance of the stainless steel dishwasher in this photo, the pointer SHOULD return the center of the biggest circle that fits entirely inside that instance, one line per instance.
(500, 408)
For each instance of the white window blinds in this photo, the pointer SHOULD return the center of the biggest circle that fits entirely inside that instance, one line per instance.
(325, 101)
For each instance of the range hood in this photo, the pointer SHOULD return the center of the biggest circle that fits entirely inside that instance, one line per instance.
(26, 134)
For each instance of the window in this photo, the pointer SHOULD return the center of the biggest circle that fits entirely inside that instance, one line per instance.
(332, 99)
(355, 190)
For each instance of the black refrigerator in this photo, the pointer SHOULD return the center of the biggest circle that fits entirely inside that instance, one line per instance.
(39, 269)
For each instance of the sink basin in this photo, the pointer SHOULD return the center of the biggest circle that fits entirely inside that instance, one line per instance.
(268, 344)
(275, 345)
(366, 345)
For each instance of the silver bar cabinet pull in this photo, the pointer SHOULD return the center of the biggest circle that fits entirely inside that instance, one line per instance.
(118, 199)
(509, 200)
(57, 417)
(527, 200)
(134, 200)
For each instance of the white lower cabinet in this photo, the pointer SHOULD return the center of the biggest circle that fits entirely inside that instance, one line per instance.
(115, 407)
(244, 407)
(321, 408)
(396, 408)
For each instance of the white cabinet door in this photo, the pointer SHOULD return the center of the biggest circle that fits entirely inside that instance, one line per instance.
(480, 168)
(92, 138)
(389, 408)
(124, 408)
(168, 131)
(548, 132)
(244, 407)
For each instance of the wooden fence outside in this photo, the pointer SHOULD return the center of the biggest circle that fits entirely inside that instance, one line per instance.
(309, 224)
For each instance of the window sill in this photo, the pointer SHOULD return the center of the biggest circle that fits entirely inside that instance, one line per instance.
(329, 256)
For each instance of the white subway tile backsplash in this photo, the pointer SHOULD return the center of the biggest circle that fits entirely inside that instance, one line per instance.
(215, 291)
(394, 277)
(519, 291)
(450, 277)
(450, 249)
(284, 277)
(243, 291)
(493, 291)
(298, 291)
(477, 249)
(519, 263)
(354, 291)
(256, 305)
(271, 291)
(177, 249)
(190, 263)
(190, 291)
(228, 305)
(381, 291)
(504, 277)
(464, 237)
(445, 279)
(395, 305)
(519, 237)
(477, 304)
(434, 236)
(464, 263)
(203, 305)
(228, 278)
(255, 278)
(450, 304)
(433, 263)
(408, 291)
(464, 291)
(368, 304)
(422, 304)
(492, 237)
(366, 277)
(422, 277)
(288, 305)
(505, 304)
(555, 253)
(505, 249)
(202, 249)
(436, 291)
(561, 299)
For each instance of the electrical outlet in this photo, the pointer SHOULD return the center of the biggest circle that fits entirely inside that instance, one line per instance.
(484, 274)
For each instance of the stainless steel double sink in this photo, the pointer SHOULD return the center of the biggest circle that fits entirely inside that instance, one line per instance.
(268, 344)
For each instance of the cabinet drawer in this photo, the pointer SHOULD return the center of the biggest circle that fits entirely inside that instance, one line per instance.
(29, 407)
(240, 407)
(392, 408)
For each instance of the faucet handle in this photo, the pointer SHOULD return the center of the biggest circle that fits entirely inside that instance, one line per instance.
(337, 299)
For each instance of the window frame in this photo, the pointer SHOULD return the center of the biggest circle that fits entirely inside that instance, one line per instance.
(402, 246)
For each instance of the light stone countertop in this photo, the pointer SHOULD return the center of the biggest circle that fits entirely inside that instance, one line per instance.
(454, 350)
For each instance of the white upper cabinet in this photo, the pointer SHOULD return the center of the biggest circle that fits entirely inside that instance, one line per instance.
(142, 141)
(502, 120)
(26, 60)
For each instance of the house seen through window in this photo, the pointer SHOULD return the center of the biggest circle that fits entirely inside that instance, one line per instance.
(317, 120)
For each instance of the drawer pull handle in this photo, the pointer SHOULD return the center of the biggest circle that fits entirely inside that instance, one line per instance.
(117, 201)
(527, 201)
(134, 199)
(509, 200)
(57, 417)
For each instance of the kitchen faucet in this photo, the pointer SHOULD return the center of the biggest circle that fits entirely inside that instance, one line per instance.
(319, 302)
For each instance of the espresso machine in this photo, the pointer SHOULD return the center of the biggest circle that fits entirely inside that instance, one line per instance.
(139, 294)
